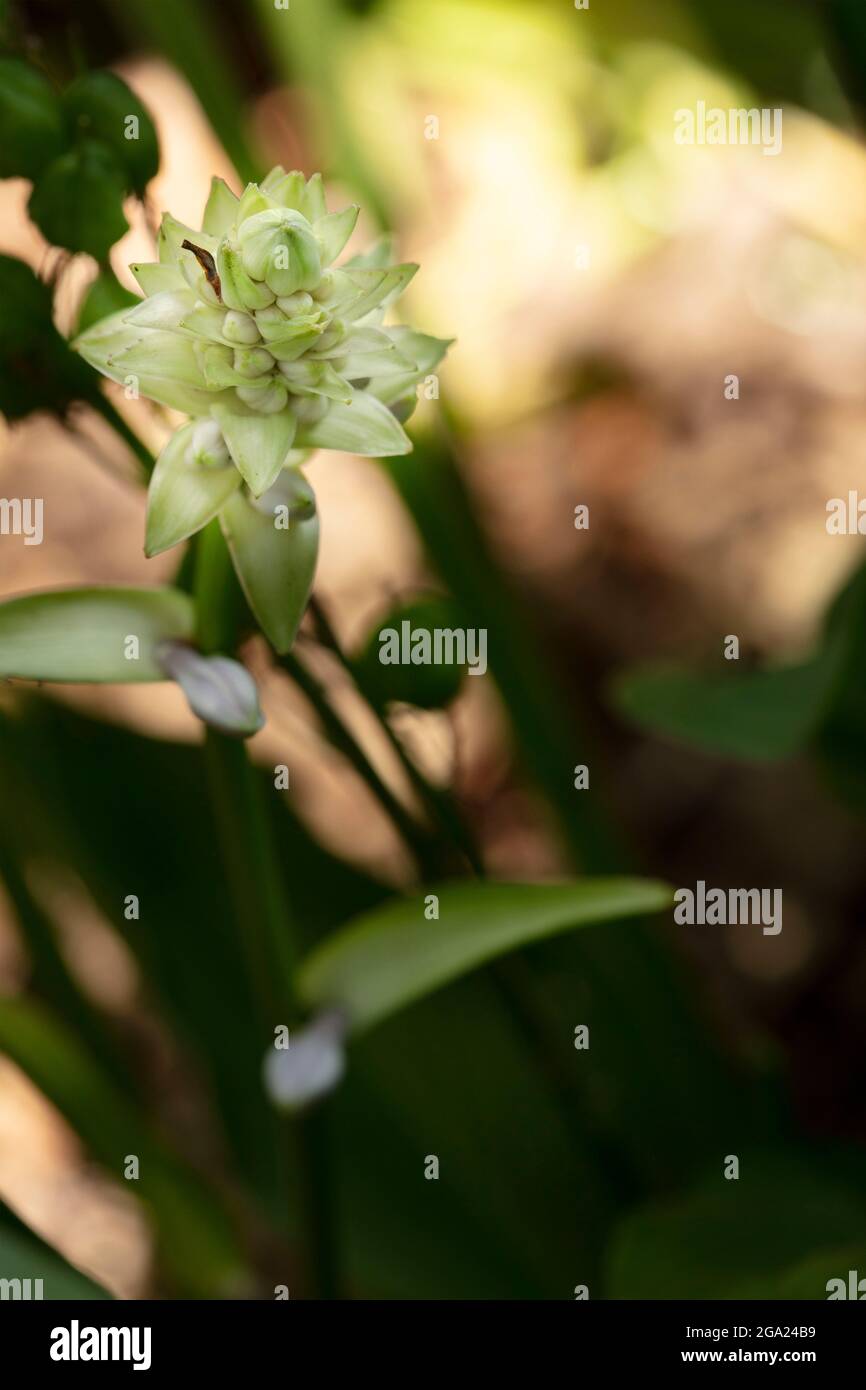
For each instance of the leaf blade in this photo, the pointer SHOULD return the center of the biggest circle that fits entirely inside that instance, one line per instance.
(79, 635)
(394, 955)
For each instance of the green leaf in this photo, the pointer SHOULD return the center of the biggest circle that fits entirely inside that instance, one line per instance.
(81, 634)
(782, 1223)
(365, 426)
(24, 1255)
(394, 955)
(275, 566)
(39, 371)
(195, 1237)
(27, 307)
(105, 295)
(184, 496)
(258, 443)
(101, 107)
(32, 131)
(77, 201)
(753, 715)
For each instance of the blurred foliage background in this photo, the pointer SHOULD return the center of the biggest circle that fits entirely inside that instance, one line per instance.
(601, 282)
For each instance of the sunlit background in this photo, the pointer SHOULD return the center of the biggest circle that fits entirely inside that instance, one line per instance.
(601, 282)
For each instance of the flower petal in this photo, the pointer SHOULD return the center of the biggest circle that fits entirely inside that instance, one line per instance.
(310, 1066)
(219, 690)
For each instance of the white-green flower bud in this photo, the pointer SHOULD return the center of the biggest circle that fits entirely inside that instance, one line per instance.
(240, 328)
(252, 361)
(207, 446)
(270, 356)
(299, 303)
(280, 247)
(267, 400)
(239, 290)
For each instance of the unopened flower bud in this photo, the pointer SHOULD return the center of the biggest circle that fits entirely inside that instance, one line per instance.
(240, 328)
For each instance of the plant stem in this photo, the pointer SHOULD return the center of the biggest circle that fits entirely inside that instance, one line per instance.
(438, 804)
(420, 844)
(512, 978)
(258, 891)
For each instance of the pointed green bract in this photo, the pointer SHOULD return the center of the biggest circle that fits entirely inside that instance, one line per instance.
(220, 210)
(184, 494)
(394, 955)
(91, 634)
(334, 230)
(257, 443)
(273, 543)
(365, 426)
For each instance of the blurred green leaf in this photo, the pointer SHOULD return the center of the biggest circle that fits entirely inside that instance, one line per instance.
(105, 295)
(187, 34)
(77, 201)
(32, 130)
(73, 809)
(752, 714)
(100, 107)
(430, 483)
(394, 955)
(428, 687)
(38, 371)
(745, 1237)
(195, 1237)
(26, 304)
(24, 1255)
(82, 634)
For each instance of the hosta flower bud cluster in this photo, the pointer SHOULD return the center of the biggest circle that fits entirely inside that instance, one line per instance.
(249, 327)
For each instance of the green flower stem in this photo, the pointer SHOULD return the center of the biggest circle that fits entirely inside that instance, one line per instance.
(606, 1173)
(261, 907)
(254, 875)
(439, 804)
(421, 845)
